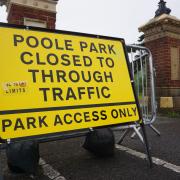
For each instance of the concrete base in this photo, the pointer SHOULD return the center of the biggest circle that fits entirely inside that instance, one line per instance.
(166, 102)
(168, 98)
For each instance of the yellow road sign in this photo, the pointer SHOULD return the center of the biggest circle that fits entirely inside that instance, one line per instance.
(60, 81)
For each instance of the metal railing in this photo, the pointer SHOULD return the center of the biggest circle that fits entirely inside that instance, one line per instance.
(143, 72)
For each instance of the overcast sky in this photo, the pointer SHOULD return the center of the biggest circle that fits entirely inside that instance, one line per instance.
(116, 18)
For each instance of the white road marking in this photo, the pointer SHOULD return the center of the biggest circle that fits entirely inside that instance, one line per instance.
(155, 160)
(49, 171)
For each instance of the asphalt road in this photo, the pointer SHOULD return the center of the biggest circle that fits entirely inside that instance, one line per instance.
(73, 162)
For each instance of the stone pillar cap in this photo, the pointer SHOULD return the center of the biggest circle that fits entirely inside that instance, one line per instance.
(162, 19)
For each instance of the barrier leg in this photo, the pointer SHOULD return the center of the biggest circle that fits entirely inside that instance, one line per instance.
(151, 127)
(136, 131)
(146, 145)
(155, 130)
(123, 136)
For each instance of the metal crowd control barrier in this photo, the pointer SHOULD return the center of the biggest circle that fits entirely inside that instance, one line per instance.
(143, 72)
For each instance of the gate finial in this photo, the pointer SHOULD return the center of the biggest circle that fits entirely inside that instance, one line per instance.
(162, 9)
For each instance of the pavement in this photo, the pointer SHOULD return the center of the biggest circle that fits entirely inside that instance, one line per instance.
(67, 160)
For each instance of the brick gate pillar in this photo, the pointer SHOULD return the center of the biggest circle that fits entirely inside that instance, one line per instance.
(39, 13)
(162, 37)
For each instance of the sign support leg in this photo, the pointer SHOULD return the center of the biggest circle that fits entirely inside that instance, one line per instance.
(149, 157)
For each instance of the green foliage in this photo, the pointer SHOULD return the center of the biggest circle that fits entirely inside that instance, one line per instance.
(173, 114)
